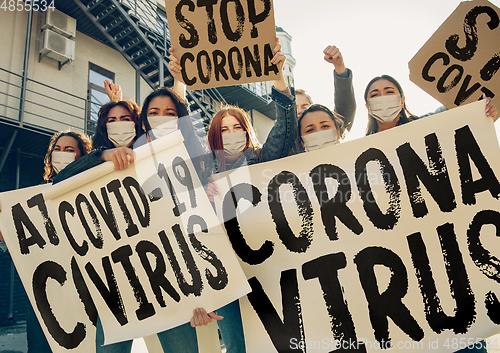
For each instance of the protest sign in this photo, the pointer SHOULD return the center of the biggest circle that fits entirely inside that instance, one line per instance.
(460, 62)
(386, 241)
(223, 43)
(140, 247)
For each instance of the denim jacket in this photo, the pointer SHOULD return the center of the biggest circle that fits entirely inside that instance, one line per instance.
(282, 136)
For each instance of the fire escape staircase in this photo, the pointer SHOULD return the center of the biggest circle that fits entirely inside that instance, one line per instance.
(137, 30)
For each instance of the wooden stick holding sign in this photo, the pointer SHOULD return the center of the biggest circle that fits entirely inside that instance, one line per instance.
(460, 62)
(222, 43)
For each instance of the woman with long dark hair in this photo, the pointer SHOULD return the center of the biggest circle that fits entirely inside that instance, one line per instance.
(386, 104)
(118, 128)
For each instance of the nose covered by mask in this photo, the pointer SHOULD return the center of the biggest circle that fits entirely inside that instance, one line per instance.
(384, 109)
(61, 159)
(234, 142)
(121, 133)
(163, 125)
(320, 139)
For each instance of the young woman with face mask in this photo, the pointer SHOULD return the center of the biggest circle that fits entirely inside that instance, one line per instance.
(386, 105)
(233, 142)
(164, 112)
(64, 148)
(320, 127)
(118, 127)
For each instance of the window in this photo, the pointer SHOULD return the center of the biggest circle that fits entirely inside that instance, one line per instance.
(96, 94)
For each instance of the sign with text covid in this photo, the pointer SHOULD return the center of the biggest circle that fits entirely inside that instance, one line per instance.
(389, 241)
(223, 43)
(140, 248)
(460, 62)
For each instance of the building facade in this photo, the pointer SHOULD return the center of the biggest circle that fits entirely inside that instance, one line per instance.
(52, 67)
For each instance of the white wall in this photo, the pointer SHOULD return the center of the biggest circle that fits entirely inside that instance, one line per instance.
(262, 124)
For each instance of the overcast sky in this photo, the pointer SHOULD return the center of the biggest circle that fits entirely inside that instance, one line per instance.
(375, 37)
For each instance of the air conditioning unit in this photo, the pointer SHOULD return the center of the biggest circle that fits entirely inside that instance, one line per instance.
(57, 47)
(60, 22)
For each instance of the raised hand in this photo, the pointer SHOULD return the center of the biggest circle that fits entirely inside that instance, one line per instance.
(334, 56)
(279, 59)
(113, 91)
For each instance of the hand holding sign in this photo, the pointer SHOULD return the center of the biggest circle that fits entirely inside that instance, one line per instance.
(121, 157)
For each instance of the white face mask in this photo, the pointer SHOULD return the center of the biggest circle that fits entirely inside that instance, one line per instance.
(163, 125)
(61, 159)
(234, 142)
(384, 108)
(320, 139)
(121, 133)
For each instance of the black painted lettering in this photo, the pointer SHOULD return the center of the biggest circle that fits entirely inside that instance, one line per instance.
(392, 188)
(252, 61)
(219, 281)
(229, 205)
(144, 216)
(460, 289)
(388, 303)
(237, 71)
(97, 241)
(219, 65)
(231, 35)
(106, 212)
(114, 187)
(325, 269)
(336, 206)
(487, 93)
(470, 31)
(268, 65)
(188, 26)
(442, 81)
(490, 68)
(182, 174)
(487, 263)
(492, 307)
(257, 18)
(280, 331)
(112, 295)
(188, 81)
(208, 64)
(22, 220)
(156, 277)
(43, 272)
(39, 201)
(64, 208)
(209, 6)
(464, 93)
(83, 292)
(197, 285)
(180, 207)
(467, 147)
(434, 177)
(425, 71)
(293, 243)
(122, 255)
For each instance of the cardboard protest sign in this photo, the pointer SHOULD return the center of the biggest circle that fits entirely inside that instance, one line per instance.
(223, 43)
(386, 241)
(140, 247)
(460, 62)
